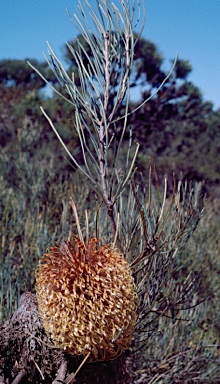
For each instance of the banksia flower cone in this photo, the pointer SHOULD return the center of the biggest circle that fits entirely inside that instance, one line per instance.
(87, 299)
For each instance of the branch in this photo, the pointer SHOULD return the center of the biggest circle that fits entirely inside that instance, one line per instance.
(61, 374)
(19, 377)
(151, 96)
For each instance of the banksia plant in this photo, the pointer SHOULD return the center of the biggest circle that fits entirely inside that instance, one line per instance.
(87, 299)
(98, 298)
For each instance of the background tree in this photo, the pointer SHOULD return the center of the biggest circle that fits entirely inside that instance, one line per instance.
(177, 122)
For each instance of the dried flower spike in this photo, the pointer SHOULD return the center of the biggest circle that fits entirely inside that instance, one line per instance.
(87, 299)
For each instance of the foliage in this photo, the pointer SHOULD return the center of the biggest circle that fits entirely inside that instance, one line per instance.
(17, 73)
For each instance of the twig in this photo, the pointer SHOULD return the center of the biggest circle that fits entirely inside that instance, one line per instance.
(38, 368)
(41, 341)
(71, 378)
(73, 205)
(118, 335)
(117, 228)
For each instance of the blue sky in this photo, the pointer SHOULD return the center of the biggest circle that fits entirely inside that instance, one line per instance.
(189, 27)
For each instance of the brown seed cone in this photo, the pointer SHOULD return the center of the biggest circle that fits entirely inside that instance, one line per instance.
(87, 299)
